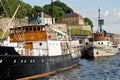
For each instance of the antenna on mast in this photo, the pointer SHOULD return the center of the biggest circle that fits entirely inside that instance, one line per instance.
(52, 10)
(10, 21)
(99, 14)
(100, 21)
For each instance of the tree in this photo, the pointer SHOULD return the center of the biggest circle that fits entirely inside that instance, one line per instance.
(36, 9)
(65, 8)
(1, 11)
(11, 5)
(47, 9)
(58, 13)
(25, 10)
(59, 9)
(89, 22)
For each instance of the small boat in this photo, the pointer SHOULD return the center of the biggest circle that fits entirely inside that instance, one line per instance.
(99, 45)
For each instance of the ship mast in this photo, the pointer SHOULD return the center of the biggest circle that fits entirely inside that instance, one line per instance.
(52, 10)
(100, 21)
(3, 8)
(10, 21)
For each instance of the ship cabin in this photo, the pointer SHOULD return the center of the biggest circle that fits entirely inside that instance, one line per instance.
(100, 37)
(37, 40)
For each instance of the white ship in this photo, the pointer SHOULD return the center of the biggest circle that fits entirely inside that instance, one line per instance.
(99, 45)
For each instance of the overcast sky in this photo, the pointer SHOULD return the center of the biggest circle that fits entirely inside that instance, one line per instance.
(110, 11)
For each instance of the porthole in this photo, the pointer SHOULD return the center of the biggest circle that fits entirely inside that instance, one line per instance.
(42, 60)
(97, 52)
(0, 60)
(33, 60)
(14, 61)
(21, 61)
(40, 44)
(25, 61)
(102, 43)
(6, 53)
(30, 61)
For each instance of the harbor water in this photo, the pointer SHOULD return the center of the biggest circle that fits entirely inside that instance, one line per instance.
(99, 69)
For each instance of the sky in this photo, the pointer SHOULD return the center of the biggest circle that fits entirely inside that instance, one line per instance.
(110, 11)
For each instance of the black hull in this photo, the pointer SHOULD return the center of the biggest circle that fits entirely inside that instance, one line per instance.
(16, 67)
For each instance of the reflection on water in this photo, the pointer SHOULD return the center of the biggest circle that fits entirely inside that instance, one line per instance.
(100, 69)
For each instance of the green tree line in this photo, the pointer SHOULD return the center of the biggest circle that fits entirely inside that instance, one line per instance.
(8, 7)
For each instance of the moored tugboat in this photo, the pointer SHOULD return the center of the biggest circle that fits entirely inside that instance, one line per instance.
(99, 45)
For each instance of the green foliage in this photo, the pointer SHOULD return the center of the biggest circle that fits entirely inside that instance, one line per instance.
(75, 31)
(79, 31)
(1, 33)
(1, 11)
(58, 13)
(89, 22)
(47, 9)
(36, 9)
(25, 10)
(86, 32)
(11, 5)
(59, 9)
(65, 8)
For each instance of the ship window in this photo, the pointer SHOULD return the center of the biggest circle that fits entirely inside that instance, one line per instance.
(97, 52)
(30, 29)
(15, 61)
(43, 29)
(25, 61)
(102, 43)
(40, 44)
(34, 28)
(0, 60)
(80, 41)
(49, 37)
(21, 61)
(42, 60)
(26, 29)
(6, 53)
(38, 28)
(33, 60)
(30, 61)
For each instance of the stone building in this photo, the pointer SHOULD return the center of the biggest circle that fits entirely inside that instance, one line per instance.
(73, 18)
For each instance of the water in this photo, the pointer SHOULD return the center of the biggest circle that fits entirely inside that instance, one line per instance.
(99, 69)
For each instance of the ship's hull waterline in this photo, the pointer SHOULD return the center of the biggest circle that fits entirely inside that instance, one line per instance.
(26, 67)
